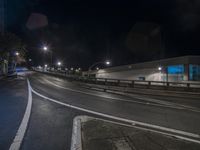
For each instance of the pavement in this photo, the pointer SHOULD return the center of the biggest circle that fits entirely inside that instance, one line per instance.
(13, 100)
(103, 135)
(56, 102)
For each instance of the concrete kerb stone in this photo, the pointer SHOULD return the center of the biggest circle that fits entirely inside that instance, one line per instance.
(76, 141)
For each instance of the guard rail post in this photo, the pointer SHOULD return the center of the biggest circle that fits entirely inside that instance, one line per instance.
(188, 85)
(133, 84)
(118, 82)
(149, 84)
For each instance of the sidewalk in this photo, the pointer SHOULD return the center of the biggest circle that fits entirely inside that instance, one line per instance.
(101, 135)
(13, 101)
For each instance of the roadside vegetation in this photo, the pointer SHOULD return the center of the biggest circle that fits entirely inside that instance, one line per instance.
(12, 52)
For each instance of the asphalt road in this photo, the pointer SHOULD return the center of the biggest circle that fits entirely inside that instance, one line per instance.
(50, 124)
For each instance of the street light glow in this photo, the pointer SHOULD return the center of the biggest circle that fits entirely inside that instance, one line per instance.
(17, 53)
(59, 63)
(45, 65)
(97, 68)
(45, 48)
(107, 62)
(159, 68)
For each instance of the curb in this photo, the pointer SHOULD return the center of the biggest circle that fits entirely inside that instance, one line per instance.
(76, 142)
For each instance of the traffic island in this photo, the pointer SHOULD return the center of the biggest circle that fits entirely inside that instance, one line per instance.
(97, 134)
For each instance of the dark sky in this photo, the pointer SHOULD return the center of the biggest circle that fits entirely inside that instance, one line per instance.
(82, 32)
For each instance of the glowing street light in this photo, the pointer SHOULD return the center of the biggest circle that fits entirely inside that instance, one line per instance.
(45, 65)
(97, 68)
(17, 53)
(59, 63)
(45, 48)
(107, 62)
(159, 68)
(100, 62)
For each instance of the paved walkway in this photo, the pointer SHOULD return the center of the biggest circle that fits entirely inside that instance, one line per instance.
(101, 135)
(13, 100)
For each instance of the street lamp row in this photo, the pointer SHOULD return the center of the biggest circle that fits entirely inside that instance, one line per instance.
(45, 48)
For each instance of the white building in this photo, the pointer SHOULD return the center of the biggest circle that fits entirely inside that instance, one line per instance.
(186, 68)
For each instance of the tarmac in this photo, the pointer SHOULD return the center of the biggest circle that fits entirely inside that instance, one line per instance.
(102, 135)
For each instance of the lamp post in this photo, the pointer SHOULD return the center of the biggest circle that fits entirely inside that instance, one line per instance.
(160, 70)
(46, 49)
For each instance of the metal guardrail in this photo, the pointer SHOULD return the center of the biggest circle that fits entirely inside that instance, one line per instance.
(127, 83)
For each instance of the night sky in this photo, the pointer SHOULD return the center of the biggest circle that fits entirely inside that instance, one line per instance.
(83, 32)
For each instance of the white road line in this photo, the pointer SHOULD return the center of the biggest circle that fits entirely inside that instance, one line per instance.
(162, 104)
(135, 123)
(23, 126)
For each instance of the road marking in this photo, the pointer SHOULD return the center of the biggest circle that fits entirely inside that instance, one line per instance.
(23, 126)
(158, 102)
(174, 132)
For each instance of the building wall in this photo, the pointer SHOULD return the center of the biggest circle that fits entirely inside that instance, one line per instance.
(185, 68)
(148, 74)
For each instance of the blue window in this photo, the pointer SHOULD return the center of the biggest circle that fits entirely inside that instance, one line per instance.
(177, 69)
(194, 72)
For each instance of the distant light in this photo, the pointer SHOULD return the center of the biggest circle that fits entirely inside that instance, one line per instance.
(79, 69)
(72, 69)
(97, 68)
(66, 69)
(17, 53)
(30, 60)
(159, 68)
(45, 48)
(59, 63)
(107, 62)
(45, 65)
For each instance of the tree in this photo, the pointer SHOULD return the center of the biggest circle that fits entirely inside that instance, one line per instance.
(9, 45)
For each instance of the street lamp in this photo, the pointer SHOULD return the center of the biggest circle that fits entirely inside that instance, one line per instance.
(100, 62)
(17, 53)
(45, 65)
(107, 62)
(159, 68)
(59, 63)
(45, 48)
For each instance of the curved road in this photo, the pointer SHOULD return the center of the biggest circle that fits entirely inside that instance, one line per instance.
(57, 101)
